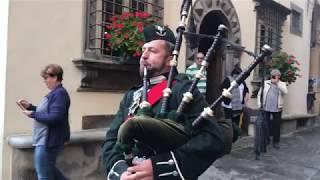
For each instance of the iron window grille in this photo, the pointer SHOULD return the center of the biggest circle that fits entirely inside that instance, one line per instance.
(270, 19)
(99, 13)
(269, 30)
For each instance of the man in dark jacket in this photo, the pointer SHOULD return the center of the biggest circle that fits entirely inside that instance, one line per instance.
(196, 148)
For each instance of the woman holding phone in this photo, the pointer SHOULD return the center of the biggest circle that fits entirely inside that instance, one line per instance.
(51, 124)
(273, 92)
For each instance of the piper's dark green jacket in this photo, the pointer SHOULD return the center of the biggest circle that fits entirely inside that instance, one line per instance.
(191, 159)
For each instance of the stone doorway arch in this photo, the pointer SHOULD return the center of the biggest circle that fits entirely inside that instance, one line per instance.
(205, 18)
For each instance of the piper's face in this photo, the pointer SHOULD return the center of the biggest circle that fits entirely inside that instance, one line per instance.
(155, 57)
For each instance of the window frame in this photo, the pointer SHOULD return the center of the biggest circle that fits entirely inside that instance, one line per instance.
(95, 43)
(105, 73)
(296, 29)
(271, 16)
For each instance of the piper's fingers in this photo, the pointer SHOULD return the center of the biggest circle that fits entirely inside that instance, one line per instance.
(141, 175)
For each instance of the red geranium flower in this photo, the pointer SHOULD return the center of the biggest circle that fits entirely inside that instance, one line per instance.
(124, 34)
(286, 65)
(107, 36)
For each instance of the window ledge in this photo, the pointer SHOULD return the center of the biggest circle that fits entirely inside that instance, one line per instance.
(24, 141)
(106, 75)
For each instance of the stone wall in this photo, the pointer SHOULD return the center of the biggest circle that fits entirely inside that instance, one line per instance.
(80, 159)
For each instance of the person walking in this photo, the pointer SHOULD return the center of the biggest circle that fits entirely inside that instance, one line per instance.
(51, 124)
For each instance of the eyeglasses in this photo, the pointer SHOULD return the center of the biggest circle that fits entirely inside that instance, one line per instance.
(200, 57)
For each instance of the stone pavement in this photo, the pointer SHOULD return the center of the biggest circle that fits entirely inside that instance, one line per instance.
(297, 159)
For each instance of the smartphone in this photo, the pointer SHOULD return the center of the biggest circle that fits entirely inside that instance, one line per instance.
(20, 105)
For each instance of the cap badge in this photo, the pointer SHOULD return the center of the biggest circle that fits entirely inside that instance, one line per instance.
(160, 31)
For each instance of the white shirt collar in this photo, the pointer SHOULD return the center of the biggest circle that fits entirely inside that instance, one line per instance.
(157, 79)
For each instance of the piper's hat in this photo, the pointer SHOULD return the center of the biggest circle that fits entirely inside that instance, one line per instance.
(157, 32)
(275, 72)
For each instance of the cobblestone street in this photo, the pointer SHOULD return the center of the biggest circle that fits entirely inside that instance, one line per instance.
(297, 159)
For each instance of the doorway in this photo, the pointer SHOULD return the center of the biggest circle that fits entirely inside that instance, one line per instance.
(215, 70)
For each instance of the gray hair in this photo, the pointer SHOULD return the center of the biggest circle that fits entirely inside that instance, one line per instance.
(275, 72)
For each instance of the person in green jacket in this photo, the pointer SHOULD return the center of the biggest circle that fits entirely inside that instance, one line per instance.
(171, 148)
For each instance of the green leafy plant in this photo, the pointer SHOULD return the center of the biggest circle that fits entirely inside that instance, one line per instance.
(287, 65)
(125, 33)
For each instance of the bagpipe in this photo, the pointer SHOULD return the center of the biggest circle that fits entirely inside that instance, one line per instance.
(128, 136)
(265, 52)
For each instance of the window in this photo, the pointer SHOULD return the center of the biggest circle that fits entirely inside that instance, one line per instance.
(269, 28)
(296, 20)
(98, 17)
(137, 5)
(98, 69)
(270, 18)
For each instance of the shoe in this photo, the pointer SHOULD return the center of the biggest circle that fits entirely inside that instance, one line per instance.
(276, 145)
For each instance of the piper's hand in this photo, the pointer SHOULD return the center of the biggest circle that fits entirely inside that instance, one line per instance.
(127, 176)
(226, 93)
(141, 171)
(27, 113)
(24, 103)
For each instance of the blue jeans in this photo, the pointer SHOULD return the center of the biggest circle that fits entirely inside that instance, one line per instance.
(45, 161)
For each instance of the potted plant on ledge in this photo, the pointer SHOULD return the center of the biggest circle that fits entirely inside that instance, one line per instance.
(287, 65)
(125, 35)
